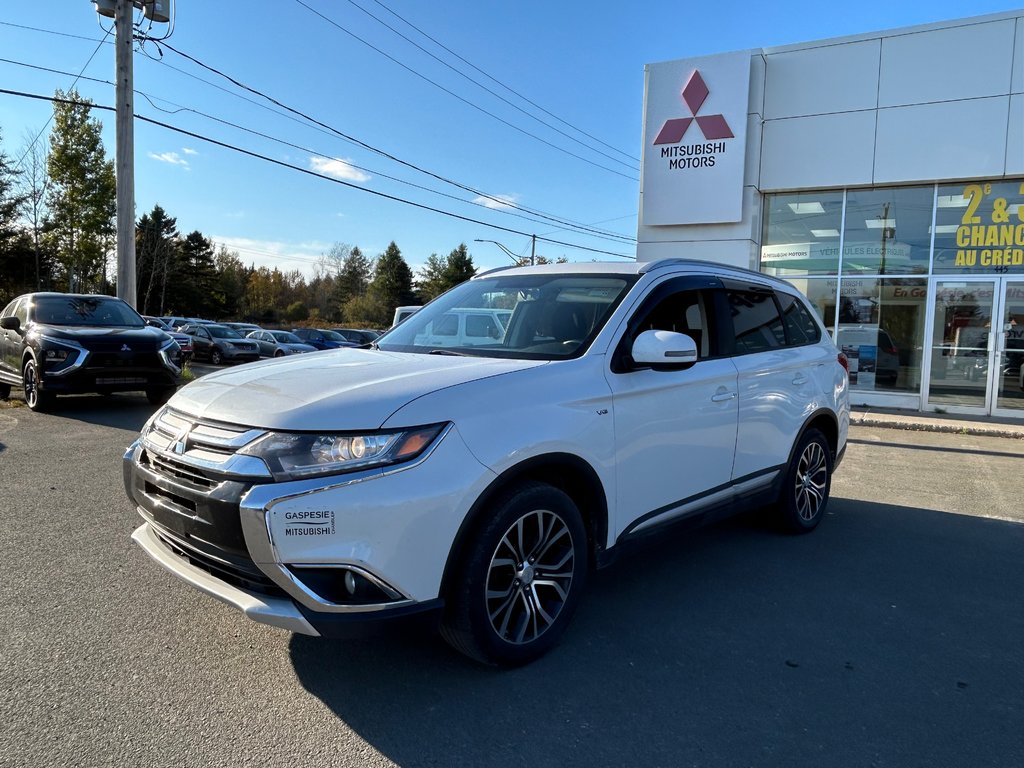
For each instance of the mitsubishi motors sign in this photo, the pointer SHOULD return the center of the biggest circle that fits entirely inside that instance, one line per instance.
(695, 137)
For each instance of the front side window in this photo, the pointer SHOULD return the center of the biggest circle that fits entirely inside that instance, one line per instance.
(683, 312)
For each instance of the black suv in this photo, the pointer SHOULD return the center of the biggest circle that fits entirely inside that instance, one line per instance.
(63, 343)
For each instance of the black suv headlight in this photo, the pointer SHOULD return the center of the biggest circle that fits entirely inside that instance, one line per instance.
(170, 353)
(60, 356)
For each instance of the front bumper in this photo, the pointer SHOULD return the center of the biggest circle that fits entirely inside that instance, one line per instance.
(121, 378)
(229, 534)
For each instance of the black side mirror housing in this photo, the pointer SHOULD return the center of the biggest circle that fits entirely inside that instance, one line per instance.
(10, 323)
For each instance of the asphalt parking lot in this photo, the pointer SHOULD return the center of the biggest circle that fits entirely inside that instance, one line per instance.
(892, 636)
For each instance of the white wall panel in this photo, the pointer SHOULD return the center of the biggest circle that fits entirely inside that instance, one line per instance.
(756, 100)
(950, 140)
(947, 64)
(1015, 139)
(752, 164)
(735, 253)
(836, 78)
(1018, 59)
(747, 229)
(821, 151)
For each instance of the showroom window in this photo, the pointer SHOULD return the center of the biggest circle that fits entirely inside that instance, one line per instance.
(979, 228)
(801, 233)
(888, 231)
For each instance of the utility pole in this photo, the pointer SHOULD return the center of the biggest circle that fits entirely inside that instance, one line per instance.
(533, 250)
(125, 163)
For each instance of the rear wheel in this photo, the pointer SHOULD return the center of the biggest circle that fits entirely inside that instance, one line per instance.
(521, 579)
(807, 485)
(37, 400)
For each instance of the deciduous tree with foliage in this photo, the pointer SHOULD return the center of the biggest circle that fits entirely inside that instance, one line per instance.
(81, 197)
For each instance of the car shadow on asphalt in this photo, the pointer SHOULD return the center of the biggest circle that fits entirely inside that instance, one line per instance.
(128, 410)
(890, 631)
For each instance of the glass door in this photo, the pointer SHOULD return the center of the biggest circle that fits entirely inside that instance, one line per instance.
(962, 344)
(1008, 376)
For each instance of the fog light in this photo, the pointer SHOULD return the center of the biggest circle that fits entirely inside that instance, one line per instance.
(350, 582)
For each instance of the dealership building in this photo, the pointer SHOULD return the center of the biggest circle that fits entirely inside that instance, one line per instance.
(883, 175)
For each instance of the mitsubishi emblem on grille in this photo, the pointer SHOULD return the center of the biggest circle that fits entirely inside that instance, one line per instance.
(125, 348)
(181, 440)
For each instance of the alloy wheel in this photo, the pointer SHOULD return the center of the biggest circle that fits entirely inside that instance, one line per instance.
(31, 386)
(811, 481)
(529, 577)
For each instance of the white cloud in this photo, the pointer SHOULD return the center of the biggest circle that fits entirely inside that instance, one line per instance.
(275, 253)
(339, 169)
(171, 157)
(189, 151)
(497, 202)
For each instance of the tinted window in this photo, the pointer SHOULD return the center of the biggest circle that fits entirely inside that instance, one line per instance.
(482, 326)
(221, 332)
(680, 312)
(86, 311)
(800, 326)
(756, 322)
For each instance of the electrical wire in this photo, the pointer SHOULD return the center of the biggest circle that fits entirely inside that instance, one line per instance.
(352, 139)
(283, 164)
(303, 119)
(499, 82)
(465, 101)
(545, 218)
(46, 125)
(632, 166)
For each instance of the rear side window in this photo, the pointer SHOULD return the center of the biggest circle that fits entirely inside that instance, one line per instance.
(800, 326)
(756, 321)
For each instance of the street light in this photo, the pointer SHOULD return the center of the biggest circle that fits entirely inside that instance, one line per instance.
(516, 259)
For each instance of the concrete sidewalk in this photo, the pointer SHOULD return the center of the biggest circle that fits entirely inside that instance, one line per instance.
(892, 418)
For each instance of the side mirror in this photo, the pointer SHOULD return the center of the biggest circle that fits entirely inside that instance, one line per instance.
(10, 323)
(662, 349)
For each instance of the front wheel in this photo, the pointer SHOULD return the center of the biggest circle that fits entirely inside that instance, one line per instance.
(807, 485)
(279, 353)
(521, 579)
(215, 356)
(37, 400)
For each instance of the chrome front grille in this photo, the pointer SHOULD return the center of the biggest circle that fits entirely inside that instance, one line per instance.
(188, 448)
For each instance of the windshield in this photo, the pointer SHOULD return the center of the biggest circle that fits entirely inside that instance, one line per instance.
(86, 311)
(286, 338)
(525, 316)
(332, 336)
(222, 332)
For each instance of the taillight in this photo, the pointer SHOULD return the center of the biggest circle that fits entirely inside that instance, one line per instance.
(844, 362)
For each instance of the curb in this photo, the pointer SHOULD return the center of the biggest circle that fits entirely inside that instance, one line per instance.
(931, 425)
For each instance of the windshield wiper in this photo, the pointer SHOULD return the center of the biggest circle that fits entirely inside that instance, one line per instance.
(447, 352)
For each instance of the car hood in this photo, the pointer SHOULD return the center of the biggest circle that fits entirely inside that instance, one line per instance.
(335, 390)
(105, 339)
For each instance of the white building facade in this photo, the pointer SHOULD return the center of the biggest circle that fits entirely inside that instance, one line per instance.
(882, 174)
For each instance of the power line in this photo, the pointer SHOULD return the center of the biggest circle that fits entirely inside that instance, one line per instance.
(307, 172)
(545, 218)
(463, 100)
(353, 139)
(503, 85)
(49, 120)
(303, 119)
(438, 59)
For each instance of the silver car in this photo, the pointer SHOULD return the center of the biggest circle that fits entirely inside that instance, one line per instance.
(279, 343)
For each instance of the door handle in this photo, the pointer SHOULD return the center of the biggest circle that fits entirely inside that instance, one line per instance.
(721, 397)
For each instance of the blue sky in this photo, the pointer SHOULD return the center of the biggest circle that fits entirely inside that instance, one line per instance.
(581, 62)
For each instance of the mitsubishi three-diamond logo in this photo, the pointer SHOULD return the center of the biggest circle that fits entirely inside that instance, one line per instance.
(694, 93)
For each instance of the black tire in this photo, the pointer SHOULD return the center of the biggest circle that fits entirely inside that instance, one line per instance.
(5, 391)
(807, 485)
(520, 578)
(159, 396)
(279, 353)
(37, 401)
(215, 356)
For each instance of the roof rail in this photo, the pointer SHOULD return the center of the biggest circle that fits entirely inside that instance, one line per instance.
(699, 263)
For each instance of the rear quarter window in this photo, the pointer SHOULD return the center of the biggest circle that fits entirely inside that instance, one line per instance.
(756, 322)
(800, 327)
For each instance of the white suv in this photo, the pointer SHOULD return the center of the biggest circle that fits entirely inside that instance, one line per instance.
(478, 485)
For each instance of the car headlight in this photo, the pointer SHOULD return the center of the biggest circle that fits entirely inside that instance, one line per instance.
(60, 355)
(297, 456)
(170, 353)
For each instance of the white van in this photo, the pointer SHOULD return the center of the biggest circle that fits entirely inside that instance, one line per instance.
(465, 327)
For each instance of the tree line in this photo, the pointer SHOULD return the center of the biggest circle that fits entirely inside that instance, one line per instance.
(57, 232)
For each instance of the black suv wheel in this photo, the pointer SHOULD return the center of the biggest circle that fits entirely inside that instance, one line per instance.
(37, 400)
